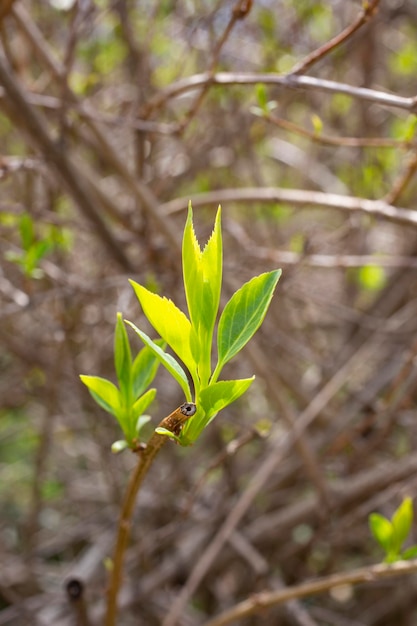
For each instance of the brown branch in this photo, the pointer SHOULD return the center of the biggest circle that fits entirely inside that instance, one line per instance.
(368, 11)
(266, 599)
(173, 423)
(401, 183)
(286, 81)
(327, 140)
(296, 197)
(239, 12)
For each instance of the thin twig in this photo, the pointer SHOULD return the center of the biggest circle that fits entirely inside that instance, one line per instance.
(239, 12)
(327, 140)
(292, 81)
(368, 11)
(401, 183)
(260, 601)
(296, 197)
(173, 423)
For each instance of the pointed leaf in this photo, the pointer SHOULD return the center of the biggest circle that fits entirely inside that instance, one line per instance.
(142, 421)
(169, 322)
(104, 392)
(167, 433)
(211, 400)
(119, 446)
(243, 315)
(202, 272)
(219, 395)
(144, 368)
(167, 361)
(401, 522)
(410, 553)
(122, 357)
(142, 404)
(382, 530)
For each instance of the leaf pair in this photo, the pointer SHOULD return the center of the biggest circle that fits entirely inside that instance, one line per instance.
(131, 398)
(391, 534)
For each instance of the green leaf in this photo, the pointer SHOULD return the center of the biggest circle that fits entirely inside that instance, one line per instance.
(219, 395)
(167, 361)
(123, 358)
(243, 315)
(169, 322)
(142, 404)
(202, 272)
(142, 421)
(144, 368)
(104, 392)
(401, 521)
(210, 401)
(27, 233)
(382, 530)
(119, 446)
(167, 433)
(410, 553)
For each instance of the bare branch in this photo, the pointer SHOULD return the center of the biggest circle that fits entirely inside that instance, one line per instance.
(297, 197)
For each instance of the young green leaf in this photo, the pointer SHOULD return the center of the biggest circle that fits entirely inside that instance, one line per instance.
(122, 357)
(202, 270)
(167, 433)
(410, 553)
(402, 521)
(142, 421)
(219, 395)
(144, 368)
(104, 393)
(119, 446)
(167, 361)
(169, 322)
(243, 315)
(142, 404)
(382, 530)
(210, 401)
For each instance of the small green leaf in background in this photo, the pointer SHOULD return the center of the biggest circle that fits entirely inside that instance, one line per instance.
(391, 534)
(372, 277)
(401, 523)
(317, 124)
(381, 528)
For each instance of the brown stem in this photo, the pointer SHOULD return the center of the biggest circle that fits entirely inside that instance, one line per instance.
(173, 423)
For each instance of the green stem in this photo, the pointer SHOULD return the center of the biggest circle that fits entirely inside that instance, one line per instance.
(173, 423)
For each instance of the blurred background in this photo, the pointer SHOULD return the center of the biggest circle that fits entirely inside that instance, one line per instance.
(111, 120)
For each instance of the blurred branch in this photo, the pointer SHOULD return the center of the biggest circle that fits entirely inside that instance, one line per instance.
(279, 446)
(239, 12)
(369, 9)
(142, 193)
(288, 81)
(297, 197)
(401, 183)
(28, 119)
(326, 140)
(260, 601)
